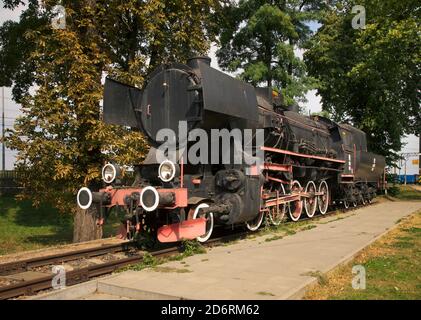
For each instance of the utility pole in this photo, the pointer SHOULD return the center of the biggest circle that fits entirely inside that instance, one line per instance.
(419, 161)
(3, 154)
(406, 160)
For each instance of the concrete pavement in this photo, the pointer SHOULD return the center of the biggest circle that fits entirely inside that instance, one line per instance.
(256, 269)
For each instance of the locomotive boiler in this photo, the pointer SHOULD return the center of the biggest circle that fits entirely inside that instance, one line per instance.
(302, 164)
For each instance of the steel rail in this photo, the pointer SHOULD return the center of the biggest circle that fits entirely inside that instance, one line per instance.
(24, 265)
(73, 277)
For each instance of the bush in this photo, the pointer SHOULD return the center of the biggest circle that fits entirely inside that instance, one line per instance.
(393, 191)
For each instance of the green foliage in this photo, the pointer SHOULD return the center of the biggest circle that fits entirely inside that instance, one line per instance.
(148, 261)
(370, 77)
(17, 48)
(145, 240)
(323, 113)
(393, 191)
(258, 39)
(61, 141)
(190, 248)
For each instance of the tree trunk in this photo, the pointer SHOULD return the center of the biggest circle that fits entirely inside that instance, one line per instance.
(85, 226)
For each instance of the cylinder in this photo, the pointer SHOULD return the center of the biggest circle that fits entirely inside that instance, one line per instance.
(166, 198)
(86, 197)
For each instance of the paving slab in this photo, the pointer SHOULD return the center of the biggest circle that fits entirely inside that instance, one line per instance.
(256, 269)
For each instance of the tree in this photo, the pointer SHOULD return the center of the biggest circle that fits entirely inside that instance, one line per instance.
(370, 77)
(258, 39)
(61, 141)
(15, 48)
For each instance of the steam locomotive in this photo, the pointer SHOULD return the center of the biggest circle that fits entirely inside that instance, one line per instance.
(304, 164)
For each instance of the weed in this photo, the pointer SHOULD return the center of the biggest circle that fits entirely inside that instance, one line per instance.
(309, 227)
(189, 248)
(263, 293)
(273, 238)
(148, 261)
(171, 269)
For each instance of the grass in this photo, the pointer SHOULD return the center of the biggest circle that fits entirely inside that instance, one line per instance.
(336, 219)
(405, 193)
(408, 193)
(23, 227)
(278, 232)
(392, 265)
(309, 227)
(273, 238)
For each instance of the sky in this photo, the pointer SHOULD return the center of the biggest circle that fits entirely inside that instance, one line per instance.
(313, 101)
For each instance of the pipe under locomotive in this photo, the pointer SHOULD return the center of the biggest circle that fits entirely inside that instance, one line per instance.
(307, 164)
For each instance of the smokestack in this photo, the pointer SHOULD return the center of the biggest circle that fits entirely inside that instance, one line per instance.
(194, 62)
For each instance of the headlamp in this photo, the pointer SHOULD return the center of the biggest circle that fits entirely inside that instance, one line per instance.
(167, 171)
(109, 173)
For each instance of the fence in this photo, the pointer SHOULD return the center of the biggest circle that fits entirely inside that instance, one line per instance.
(9, 182)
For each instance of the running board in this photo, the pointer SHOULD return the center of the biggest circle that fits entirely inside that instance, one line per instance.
(186, 230)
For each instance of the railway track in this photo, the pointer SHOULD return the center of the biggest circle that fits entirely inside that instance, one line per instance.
(27, 264)
(32, 286)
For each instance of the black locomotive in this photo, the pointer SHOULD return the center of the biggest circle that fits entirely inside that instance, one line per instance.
(306, 163)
